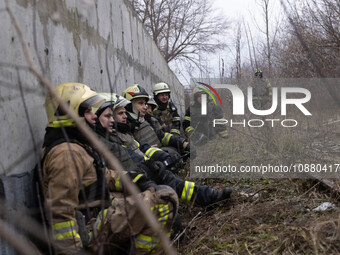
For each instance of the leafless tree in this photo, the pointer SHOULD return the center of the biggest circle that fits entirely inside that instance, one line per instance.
(182, 29)
(316, 23)
(238, 51)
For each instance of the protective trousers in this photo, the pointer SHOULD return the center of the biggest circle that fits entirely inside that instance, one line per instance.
(123, 223)
(187, 191)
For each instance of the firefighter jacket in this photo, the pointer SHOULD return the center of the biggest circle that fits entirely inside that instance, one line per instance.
(115, 145)
(261, 89)
(203, 124)
(167, 114)
(72, 180)
(262, 92)
(139, 147)
(187, 191)
(143, 131)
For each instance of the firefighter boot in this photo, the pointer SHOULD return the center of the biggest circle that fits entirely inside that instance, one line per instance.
(207, 196)
(222, 194)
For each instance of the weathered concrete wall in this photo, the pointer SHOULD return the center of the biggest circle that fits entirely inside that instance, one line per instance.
(80, 40)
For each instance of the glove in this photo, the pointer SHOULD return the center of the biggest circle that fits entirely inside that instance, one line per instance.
(174, 163)
(143, 183)
(189, 151)
(157, 169)
(172, 160)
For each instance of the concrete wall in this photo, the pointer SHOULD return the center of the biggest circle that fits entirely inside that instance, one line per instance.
(74, 40)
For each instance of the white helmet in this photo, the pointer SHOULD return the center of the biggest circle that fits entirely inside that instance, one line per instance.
(161, 87)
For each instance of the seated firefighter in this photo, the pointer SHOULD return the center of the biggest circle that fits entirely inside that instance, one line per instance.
(187, 191)
(141, 127)
(165, 111)
(261, 90)
(199, 128)
(76, 182)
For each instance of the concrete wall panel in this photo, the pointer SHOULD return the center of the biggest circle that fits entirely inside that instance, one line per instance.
(74, 39)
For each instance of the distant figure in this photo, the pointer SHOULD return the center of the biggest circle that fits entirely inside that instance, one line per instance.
(261, 90)
(199, 127)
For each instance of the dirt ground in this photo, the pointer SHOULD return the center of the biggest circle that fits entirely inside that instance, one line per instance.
(268, 215)
(272, 216)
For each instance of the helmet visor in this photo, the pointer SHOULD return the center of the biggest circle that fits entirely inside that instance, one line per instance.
(93, 102)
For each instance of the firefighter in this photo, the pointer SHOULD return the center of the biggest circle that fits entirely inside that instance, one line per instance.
(166, 111)
(261, 90)
(186, 190)
(76, 181)
(142, 129)
(199, 127)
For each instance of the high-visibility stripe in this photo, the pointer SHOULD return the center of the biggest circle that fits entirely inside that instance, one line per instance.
(188, 129)
(137, 178)
(63, 123)
(88, 184)
(175, 131)
(188, 191)
(151, 151)
(64, 230)
(224, 133)
(148, 243)
(176, 119)
(118, 184)
(101, 216)
(187, 118)
(163, 210)
(166, 139)
(137, 143)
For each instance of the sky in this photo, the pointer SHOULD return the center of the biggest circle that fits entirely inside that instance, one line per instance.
(252, 13)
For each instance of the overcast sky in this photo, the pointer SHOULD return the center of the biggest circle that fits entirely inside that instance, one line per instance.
(236, 10)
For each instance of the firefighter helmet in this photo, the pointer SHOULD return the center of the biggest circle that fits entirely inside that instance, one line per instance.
(111, 99)
(258, 73)
(135, 91)
(152, 103)
(79, 98)
(161, 87)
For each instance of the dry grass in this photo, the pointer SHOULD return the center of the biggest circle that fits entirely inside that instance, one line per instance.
(269, 216)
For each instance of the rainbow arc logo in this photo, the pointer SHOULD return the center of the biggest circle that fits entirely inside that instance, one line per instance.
(209, 93)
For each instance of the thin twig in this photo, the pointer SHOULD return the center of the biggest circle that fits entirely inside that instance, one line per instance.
(309, 189)
(100, 146)
(184, 230)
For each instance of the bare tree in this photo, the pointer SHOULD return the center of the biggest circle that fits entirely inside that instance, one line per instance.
(182, 29)
(316, 24)
(265, 8)
(238, 51)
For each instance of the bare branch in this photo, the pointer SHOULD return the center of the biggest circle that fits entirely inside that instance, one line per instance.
(88, 133)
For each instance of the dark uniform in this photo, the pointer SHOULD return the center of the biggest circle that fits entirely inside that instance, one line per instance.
(167, 114)
(200, 127)
(261, 91)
